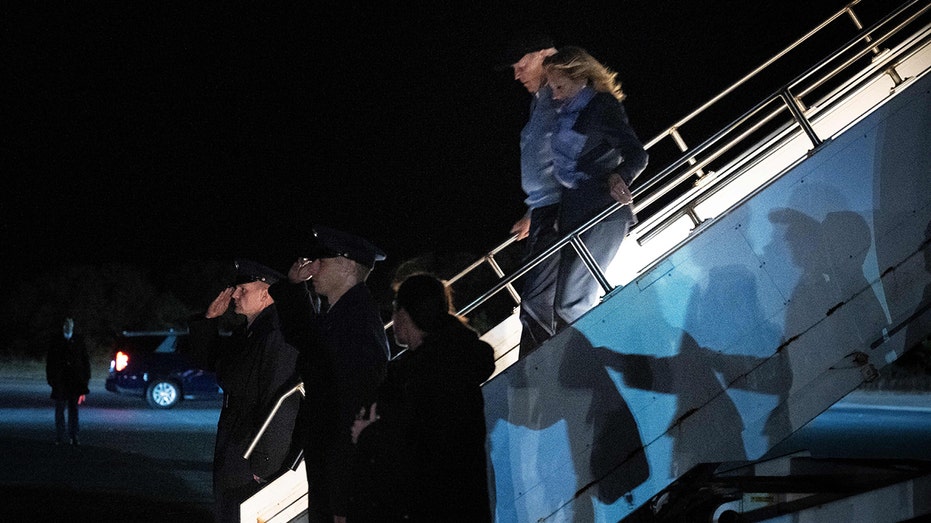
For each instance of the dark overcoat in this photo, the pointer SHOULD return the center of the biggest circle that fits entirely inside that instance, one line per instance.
(67, 367)
(425, 458)
(343, 355)
(253, 368)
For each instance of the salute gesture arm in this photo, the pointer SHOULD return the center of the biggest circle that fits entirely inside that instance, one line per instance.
(220, 304)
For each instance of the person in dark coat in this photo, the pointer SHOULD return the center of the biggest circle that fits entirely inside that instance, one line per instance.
(68, 372)
(254, 369)
(343, 354)
(425, 434)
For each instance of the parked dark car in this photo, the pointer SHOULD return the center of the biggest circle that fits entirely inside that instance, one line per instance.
(156, 365)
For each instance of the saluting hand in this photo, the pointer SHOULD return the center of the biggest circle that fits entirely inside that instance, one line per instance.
(220, 303)
(302, 270)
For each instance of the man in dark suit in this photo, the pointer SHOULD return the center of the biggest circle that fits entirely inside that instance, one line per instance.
(68, 372)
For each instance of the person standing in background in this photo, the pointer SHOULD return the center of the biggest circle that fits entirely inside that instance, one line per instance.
(68, 372)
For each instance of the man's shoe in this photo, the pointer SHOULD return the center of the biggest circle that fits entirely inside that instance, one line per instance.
(74, 442)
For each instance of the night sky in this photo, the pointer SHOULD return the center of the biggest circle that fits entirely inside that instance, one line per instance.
(157, 132)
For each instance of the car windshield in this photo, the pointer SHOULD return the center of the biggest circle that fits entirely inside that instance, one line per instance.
(148, 342)
(167, 345)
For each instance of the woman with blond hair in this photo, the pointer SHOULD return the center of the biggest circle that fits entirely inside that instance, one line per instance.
(597, 156)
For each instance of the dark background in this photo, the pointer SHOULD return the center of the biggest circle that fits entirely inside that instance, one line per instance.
(164, 134)
(156, 132)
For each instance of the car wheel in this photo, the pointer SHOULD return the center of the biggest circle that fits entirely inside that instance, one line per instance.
(163, 394)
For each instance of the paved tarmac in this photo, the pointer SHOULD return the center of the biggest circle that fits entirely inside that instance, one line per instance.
(42, 482)
(133, 464)
(137, 464)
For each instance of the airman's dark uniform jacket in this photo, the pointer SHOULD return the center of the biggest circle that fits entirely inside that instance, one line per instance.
(256, 367)
(343, 355)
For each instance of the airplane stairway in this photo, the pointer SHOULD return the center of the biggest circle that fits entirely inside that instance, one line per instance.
(802, 283)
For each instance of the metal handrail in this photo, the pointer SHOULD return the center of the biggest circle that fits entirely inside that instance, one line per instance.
(271, 415)
(852, 43)
(787, 100)
(751, 74)
(572, 237)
